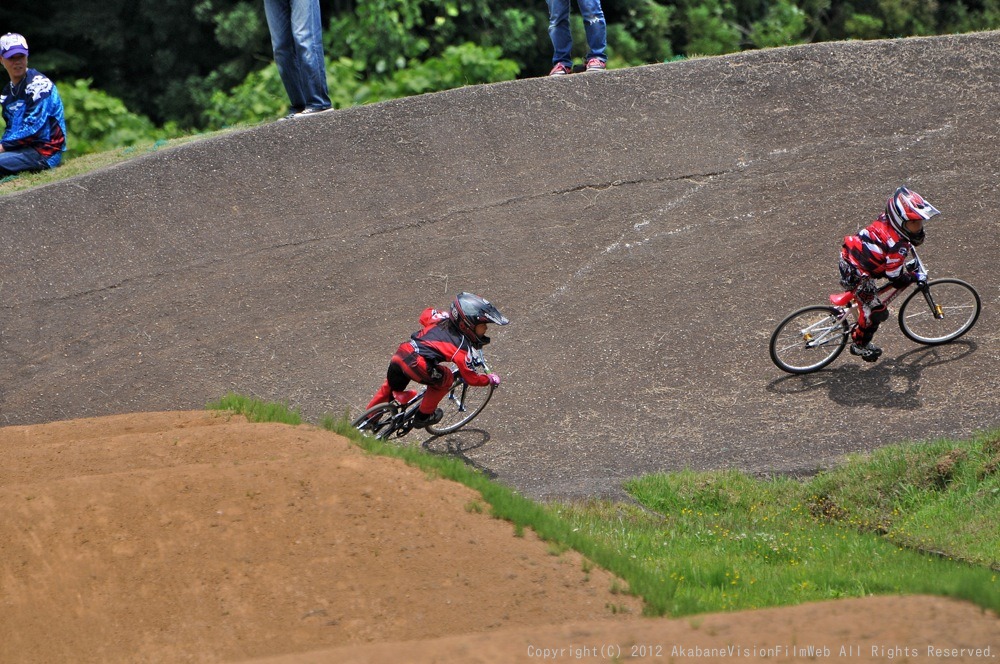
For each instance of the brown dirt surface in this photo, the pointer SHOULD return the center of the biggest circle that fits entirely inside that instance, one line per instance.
(198, 537)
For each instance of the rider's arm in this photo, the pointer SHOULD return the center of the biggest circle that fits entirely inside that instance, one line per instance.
(469, 375)
(896, 270)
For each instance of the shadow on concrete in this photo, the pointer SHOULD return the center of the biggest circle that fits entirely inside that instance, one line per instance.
(460, 444)
(892, 383)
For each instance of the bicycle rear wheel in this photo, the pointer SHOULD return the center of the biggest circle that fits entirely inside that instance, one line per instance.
(947, 310)
(462, 404)
(378, 421)
(809, 339)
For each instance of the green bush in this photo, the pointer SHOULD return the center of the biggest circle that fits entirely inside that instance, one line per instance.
(467, 64)
(782, 25)
(261, 96)
(710, 28)
(96, 121)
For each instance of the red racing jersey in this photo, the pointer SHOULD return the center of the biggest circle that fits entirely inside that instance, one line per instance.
(437, 341)
(878, 250)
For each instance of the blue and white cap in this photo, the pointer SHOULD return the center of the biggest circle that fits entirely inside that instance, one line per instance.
(12, 44)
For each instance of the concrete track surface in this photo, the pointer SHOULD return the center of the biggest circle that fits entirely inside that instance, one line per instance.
(644, 229)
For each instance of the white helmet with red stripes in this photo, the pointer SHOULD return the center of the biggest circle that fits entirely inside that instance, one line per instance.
(906, 205)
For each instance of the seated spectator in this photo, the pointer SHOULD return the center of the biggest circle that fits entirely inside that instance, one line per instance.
(35, 137)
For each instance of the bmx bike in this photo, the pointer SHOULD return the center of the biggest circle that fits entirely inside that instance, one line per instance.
(936, 312)
(462, 403)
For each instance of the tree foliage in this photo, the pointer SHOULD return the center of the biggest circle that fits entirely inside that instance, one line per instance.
(262, 96)
(96, 121)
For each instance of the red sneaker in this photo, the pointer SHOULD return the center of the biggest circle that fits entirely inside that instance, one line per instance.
(596, 64)
(561, 69)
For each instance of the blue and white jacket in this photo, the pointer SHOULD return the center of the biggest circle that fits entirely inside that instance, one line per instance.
(34, 115)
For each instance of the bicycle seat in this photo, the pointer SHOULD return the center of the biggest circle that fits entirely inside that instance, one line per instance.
(842, 299)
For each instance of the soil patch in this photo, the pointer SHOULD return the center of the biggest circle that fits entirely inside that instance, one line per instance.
(198, 537)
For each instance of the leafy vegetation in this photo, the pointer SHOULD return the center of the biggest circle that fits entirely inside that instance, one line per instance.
(696, 542)
(101, 122)
(262, 97)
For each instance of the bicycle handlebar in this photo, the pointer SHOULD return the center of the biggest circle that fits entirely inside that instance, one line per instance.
(478, 360)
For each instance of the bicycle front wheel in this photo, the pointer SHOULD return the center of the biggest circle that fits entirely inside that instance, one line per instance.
(944, 312)
(378, 421)
(809, 339)
(463, 403)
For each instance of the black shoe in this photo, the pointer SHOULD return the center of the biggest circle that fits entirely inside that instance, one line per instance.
(420, 420)
(868, 353)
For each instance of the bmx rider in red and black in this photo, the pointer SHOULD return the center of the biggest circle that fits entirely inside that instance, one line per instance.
(445, 336)
(882, 250)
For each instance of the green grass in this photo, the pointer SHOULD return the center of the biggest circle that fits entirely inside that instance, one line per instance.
(718, 541)
(73, 166)
(726, 541)
(941, 497)
(256, 410)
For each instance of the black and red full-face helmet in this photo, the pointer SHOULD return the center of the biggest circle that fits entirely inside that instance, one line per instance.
(468, 310)
(905, 205)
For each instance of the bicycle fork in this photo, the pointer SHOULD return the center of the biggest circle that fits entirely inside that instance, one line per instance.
(935, 308)
(459, 399)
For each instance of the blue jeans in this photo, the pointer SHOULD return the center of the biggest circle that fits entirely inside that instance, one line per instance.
(297, 40)
(23, 160)
(562, 37)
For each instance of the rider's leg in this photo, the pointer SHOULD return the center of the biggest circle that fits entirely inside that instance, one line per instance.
(849, 275)
(872, 312)
(384, 394)
(435, 392)
(398, 380)
(394, 387)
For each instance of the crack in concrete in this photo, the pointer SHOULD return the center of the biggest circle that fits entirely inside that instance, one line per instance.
(419, 223)
(699, 179)
(592, 264)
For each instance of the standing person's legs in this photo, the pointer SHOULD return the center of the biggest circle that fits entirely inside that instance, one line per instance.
(596, 28)
(307, 34)
(559, 32)
(279, 23)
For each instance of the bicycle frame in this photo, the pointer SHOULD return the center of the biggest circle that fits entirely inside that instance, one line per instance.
(400, 422)
(809, 338)
(848, 303)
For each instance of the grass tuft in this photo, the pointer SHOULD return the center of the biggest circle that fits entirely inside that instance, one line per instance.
(84, 164)
(256, 410)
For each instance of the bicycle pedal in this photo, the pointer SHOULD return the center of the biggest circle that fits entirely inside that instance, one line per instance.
(866, 354)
